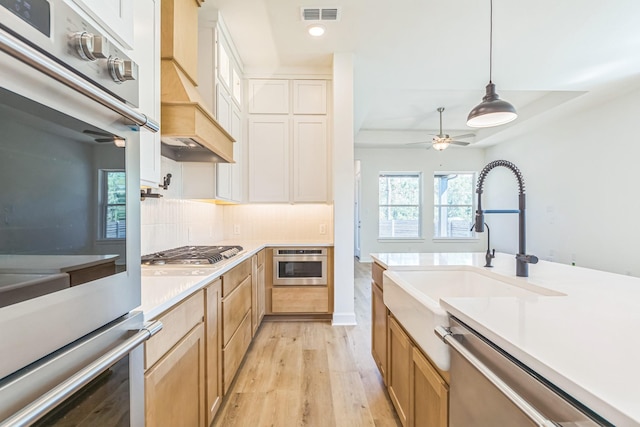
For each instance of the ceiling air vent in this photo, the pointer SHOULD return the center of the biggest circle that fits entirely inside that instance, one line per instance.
(319, 14)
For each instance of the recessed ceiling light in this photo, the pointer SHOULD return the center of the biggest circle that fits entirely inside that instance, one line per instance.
(316, 30)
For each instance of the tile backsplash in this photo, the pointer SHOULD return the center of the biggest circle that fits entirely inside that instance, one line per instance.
(276, 222)
(168, 223)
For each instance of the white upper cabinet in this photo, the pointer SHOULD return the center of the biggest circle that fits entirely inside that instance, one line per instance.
(289, 152)
(147, 34)
(310, 159)
(116, 16)
(229, 175)
(269, 159)
(268, 96)
(309, 97)
(236, 90)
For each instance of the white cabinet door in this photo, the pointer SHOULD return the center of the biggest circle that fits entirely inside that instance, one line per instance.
(268, 96)
(310, 159)
(269, 159)
(147, 34)
(237, 87)
(198, 180)
(224, 64)
(309, 97)
(206, 66)
(236, 168)
(116, 16)
(229, 175)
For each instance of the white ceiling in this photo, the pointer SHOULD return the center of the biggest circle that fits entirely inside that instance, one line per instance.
(413, 56)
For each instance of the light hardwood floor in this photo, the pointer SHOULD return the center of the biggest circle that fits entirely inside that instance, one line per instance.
(312, 374)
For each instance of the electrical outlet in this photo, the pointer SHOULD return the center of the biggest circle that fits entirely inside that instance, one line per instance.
(323, 229)
(236, 229)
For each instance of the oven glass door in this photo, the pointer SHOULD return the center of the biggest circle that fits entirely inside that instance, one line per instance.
(105, 401)
(300, 270)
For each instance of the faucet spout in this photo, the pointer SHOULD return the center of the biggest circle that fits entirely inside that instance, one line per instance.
(522, 260)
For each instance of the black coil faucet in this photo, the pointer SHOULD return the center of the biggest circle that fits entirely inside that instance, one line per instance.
(522, 259)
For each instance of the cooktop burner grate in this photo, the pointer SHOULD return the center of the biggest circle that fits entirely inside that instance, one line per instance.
(191, 255)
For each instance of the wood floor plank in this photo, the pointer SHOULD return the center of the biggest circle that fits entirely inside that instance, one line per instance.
(311, 374)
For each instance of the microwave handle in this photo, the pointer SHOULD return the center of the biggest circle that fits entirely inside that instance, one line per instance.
(45, 403)
(532, 413)
(42, 63)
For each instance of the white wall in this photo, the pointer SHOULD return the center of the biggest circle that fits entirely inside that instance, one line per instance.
(583, 198)
(343, 194)
(375, 160)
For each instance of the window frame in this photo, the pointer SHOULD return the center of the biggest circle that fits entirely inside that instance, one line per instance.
(420, 205)
(474, 236)
(104, 205)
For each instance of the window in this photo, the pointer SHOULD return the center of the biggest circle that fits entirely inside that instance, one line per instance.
(113, 204)
(453, 203)
(399, 200)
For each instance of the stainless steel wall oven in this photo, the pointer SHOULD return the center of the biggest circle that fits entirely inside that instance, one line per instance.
(300, 266)
(69, 204)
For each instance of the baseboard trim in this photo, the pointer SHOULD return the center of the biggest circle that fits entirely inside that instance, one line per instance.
(344, 319)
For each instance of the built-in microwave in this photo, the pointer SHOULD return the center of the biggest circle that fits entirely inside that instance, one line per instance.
(300, 266)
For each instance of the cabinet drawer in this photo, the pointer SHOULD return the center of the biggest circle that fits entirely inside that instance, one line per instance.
(234, 308)
(376, 273)
(234, 351)
(260, 258)
(235, 277)
(300, 299)
(177, 323)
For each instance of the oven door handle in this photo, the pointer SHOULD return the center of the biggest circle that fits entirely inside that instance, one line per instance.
(42, 63)
(45, 403)
(532, 413)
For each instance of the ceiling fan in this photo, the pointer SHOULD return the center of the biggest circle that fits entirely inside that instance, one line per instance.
(106, 137)
(441, 141)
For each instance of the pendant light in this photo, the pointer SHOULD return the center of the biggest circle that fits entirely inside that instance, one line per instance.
(492, 111)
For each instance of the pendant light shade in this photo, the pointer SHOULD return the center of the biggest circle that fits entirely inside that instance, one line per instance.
(492, 111)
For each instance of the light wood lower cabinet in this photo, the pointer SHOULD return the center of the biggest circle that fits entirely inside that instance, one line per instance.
(213, 328)
(428, 406)
(379, 319)
(379, 326)
(418, 391)
(257, 291)
(236, 319)
(175, 368)
(234, 351)
(398, 381)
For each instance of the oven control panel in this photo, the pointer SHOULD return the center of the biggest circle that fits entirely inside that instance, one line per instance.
(64, 34)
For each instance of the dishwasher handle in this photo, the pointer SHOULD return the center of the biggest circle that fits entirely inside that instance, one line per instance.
(532, 413)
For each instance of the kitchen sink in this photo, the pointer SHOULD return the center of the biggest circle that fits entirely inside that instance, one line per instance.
(414, 298)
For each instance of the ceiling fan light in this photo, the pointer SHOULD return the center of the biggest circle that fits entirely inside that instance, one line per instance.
(492, 111)
(440, 145)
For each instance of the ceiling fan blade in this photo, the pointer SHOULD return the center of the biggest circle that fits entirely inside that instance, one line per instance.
(466, 135)
(416, 143)
(462, 143)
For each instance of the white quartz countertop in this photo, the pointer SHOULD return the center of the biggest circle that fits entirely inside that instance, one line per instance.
(586, 342)
(50, 264)
(165, 286)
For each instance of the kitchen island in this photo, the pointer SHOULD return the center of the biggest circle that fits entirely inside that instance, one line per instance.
(578, 341)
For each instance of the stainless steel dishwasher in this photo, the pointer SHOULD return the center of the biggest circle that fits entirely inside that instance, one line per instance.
(491, 388)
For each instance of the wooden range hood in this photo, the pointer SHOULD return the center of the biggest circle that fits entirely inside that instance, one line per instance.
(189, 131)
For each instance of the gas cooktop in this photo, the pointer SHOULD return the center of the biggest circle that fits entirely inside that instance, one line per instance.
(191, 255)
